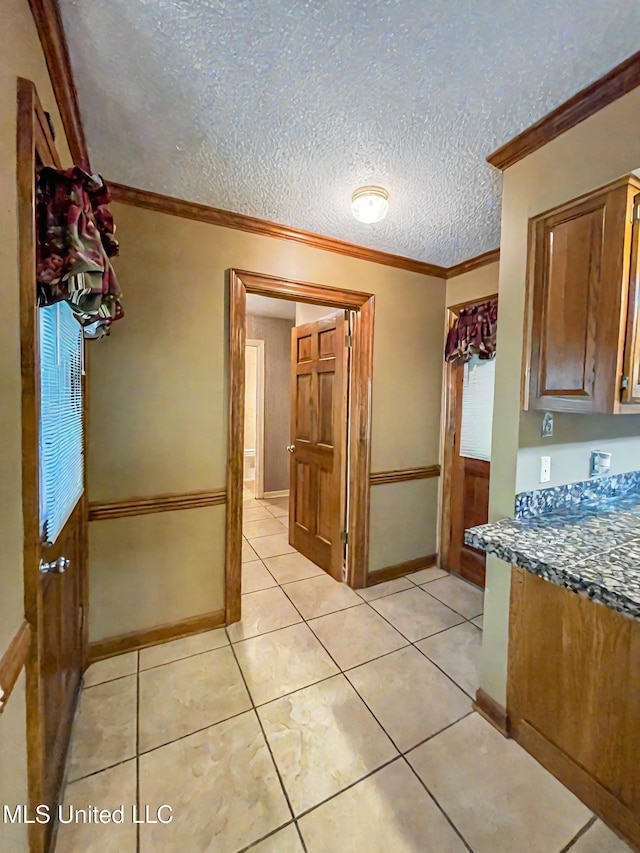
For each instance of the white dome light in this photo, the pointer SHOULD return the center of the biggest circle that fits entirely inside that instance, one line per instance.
(370, 204)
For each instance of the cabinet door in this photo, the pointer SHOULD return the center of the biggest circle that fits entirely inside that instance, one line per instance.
(631, 368)
(577, 299)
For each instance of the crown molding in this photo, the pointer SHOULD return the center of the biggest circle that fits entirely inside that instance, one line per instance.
(253, 225)
(46, 14)
(482, 260)
(618, 82)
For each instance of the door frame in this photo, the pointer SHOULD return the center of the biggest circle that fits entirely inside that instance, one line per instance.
(35, 143)
(449, 419)
(259, 448)
(240, 283)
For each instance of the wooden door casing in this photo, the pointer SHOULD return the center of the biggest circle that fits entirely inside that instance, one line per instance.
(469, 497)
(318, 441)
(55, 603)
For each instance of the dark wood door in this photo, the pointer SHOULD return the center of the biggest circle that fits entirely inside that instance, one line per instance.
(54, 574)
(318, 441)
(60, 646)
(469, 496)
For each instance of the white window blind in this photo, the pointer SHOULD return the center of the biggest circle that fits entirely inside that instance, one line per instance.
(61, 423)
(477, 408)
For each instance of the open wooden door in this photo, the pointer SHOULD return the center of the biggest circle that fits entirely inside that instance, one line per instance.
(54, 531)
(319, 354)
(469, 496)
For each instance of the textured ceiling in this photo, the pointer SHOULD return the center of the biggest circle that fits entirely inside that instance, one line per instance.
(266, 306)
(281, 108)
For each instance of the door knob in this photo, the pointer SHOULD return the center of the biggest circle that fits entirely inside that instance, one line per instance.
(291, 448)
(56, 567)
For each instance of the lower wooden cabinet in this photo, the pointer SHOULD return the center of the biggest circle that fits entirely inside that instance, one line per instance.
(574, 695)
(583, 342)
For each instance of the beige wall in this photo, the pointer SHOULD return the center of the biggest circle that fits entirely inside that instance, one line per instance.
(599, 150)
(476, 284)
(276, 334)
(158, 407)
(250, 397)
(306, 313)
(20, 55)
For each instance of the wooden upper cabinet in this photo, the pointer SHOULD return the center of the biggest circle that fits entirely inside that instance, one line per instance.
(584, 303)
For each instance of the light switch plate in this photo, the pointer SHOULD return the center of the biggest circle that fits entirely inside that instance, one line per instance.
(545, 469)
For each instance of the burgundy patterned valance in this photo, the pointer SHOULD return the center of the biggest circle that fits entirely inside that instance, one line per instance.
(474, 332)
(75, 241)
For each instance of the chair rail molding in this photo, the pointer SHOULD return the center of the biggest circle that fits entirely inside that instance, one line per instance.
(401, 475)
(103, 510)
(13, 662)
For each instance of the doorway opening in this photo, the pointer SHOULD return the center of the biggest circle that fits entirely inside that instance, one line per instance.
(468, 420)
(311, 426)
(254, 409)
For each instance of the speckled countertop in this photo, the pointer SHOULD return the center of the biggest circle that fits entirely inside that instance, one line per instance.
(593, 547)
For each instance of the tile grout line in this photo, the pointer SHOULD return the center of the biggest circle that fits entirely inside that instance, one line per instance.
(443, 812)
(264, 734)
(401, 754)
(580, 833)
(271, 834)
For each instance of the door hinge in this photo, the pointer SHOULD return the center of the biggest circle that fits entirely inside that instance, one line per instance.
(625, 383)
(345, 537)
(348, 341)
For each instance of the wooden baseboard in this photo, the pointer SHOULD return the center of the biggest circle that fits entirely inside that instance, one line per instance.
(13, 661)
(401, 569)
(492, 711)
(284, 493)
(135, 640)
(614, 813)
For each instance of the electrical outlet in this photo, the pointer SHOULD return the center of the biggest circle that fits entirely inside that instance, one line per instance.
(545, 469)
(600, 463)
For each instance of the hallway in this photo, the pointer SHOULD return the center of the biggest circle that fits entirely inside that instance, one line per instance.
(327, 720)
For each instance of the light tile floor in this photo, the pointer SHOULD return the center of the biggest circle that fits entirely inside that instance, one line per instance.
(327, 721)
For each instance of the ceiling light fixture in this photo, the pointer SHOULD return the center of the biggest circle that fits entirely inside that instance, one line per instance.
(370, 204)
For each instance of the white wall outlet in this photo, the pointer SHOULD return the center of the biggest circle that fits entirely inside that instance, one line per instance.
(600, 463)
(545, 469)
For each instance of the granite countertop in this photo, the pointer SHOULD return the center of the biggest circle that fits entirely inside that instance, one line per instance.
(593, 547)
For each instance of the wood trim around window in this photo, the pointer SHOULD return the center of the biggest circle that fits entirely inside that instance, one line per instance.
(101, 511)
(131, 642)
(13, 661)
(46, 14)
(402, 475)
(241, 283)
(613, 85)
(448, 433)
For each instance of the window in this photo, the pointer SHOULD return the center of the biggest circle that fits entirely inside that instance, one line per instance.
(477, 408)
(61, 421)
